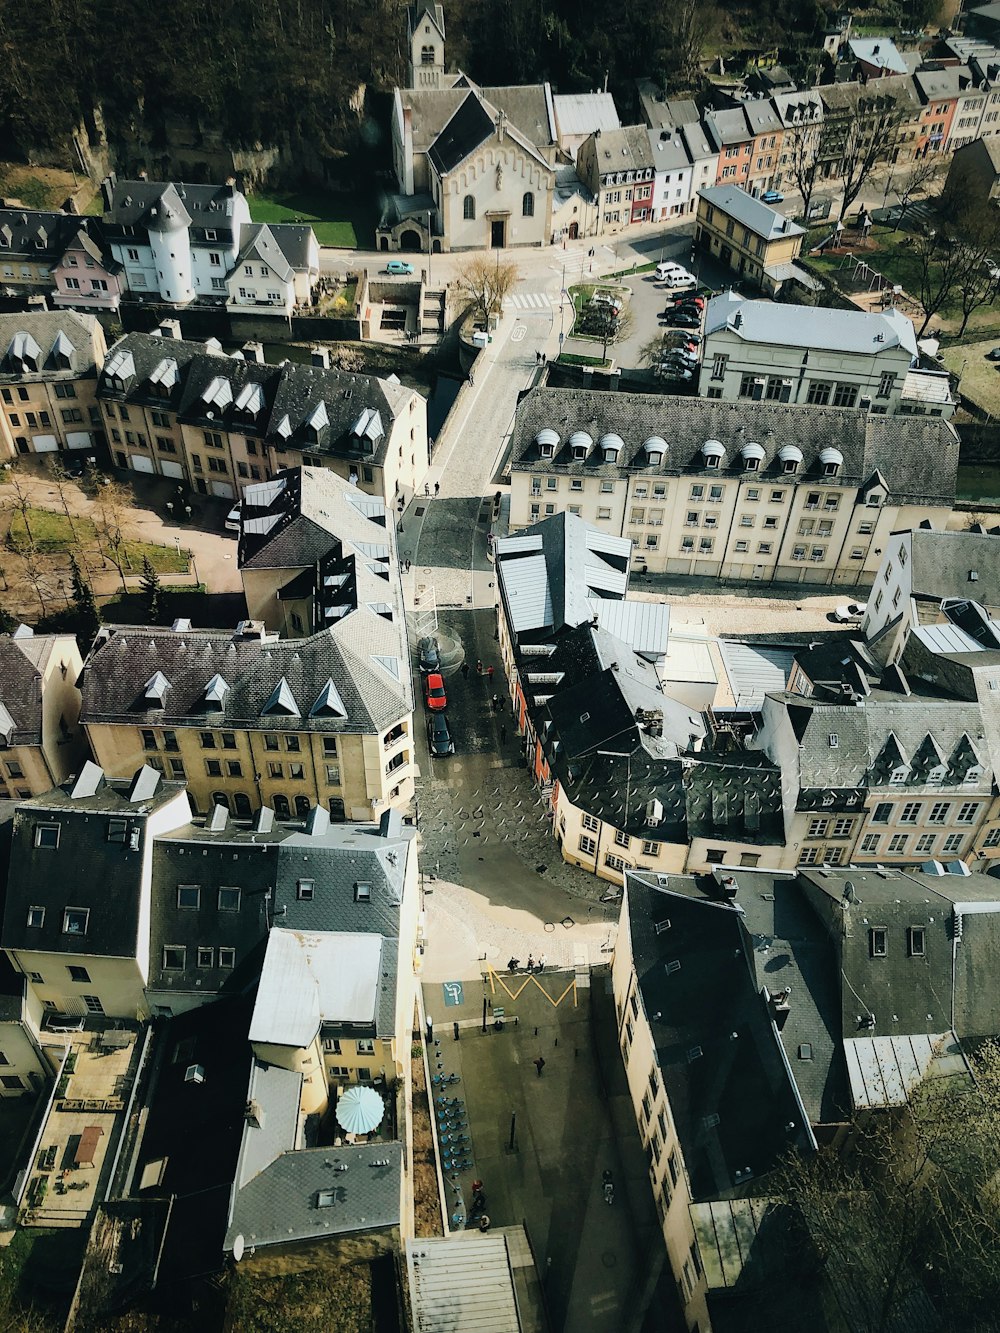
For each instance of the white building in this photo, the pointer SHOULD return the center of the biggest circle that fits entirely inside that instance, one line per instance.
(182, 243)
(822, 357)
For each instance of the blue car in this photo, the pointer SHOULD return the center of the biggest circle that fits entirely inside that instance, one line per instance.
(772, 197)
(399, 266)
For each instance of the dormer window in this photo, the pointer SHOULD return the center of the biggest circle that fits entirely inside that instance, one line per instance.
(317, 421)
(547, 441)
(712, 453)
(611, 447)
(831, 461)
(655, 449)
(753, 457)
(790, 457)
(898, 776)
(580, 445)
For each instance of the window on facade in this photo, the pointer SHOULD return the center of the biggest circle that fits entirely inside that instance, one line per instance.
(952, 843)
(819, 393)
(528, 205)
(229, 899)
(897, 844)
(469, 208)
(75, 920)
(77, 973)
(878, 941)
(174, 957)
(808, 856)
(916, 939)
(587, 845)
(47, 835)
(939, 813)
(846, 395)
(213, 767)
(869, 844)
(305, 890)
(967, 812)
(925, 843)
(188, 895)
(886, 385)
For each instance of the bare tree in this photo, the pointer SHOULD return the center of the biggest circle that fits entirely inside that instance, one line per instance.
(942, 264)
(113, 501)
(486, 282)
(61, 480)
(21, 502)
(693, 24)
(801, 143)
(912, 1201)
(864, 137)
(32, 570)
(915, 181)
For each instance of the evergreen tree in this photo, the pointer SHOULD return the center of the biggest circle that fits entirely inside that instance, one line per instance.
(150, 590)
(85, 604)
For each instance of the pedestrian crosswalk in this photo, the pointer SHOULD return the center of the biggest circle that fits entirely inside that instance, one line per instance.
(529, 301)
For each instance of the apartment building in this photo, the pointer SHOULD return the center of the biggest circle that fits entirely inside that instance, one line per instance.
(76, 918)
(178, 243)
(618, 167)
(41, 742)
(247, 719)
(49, 367)
(940, 91)
(186, 410)
(801, 116)
(974, 173)
(923, 576)
(749, 491)
(890, 109)
(314, 550)
(811, 355)
(748, 237)
(57, 255)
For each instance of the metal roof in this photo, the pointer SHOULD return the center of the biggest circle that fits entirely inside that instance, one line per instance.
(811, 326)
(311, 978)
(744, 208)
(755, 671)
(884, 1071)
(583, 113)
(463, 1281)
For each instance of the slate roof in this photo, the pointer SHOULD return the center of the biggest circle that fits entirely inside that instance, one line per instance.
(282, 1203)
(918, 457)
(163, 205)
(233, 858)
(22, 663)
(867, 334)
(335, 862)
(48, 331)
(302, 513)
(732, 1099)
(297, 243)
(941, 562)
(761, 219)
(938, 85)
(727, 126)
(668, 149)
(361, 655)
(469, 127)
(259, 242)
(23, 228)
(474, 122)
(291, 394)
(625, 149)
(94, 867)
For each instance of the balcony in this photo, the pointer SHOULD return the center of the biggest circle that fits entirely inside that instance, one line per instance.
(393, 737)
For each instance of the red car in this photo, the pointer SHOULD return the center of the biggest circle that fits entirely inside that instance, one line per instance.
(434, 692)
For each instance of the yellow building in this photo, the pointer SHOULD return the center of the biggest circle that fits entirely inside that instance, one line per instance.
(49, 367)
(744, 491)
(248, 720)
(747, 236)
(41, 742)
(186, 410)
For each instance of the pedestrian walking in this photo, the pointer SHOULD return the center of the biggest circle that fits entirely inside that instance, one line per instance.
(538, 358)
(472, 378)
(437, 488)
(427, 488)
(531, 963)
(541, 962)
(489, 671)
(465, 670)
(539, 1066)
(496, 703)
(544, 358)
(479, 666)
(503, 733)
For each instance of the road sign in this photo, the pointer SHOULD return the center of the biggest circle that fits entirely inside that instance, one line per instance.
(453, 994)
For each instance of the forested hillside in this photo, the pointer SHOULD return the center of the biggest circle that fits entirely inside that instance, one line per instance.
(288, 71)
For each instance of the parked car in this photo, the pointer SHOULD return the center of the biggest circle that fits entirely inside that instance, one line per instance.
(399, 267)
(233, 517)
(994, 355)
(429, 654)
(667, 268)
(607, 299)
(682, 282)
(439, 741)
(772, 197)
(434, 692)
(695, 302)
(850, 611)
(670, 370)
(683, 338)
(682, 319)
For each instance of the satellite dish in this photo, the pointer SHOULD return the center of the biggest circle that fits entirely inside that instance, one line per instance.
(238, 1244)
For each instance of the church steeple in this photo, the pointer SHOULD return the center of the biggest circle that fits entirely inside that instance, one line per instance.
(425, 39)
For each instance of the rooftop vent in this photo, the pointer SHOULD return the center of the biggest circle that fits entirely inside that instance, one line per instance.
(194, 1074)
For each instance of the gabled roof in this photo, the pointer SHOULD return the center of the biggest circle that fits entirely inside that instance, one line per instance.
(880, 52)
(625, 149)
(259, 242)
(942, 565)
(44, 237)
(855, 331)
(752, 213)
(160, 205)
(60, 342)
(582, 113)
(22, 662)
(302, 513)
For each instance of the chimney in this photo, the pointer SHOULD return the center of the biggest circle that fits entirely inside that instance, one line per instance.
(728, 886)
(108, 189)
(170, 328)
(319, 357)
(780, 1007)
(390, 824)
(253, 351)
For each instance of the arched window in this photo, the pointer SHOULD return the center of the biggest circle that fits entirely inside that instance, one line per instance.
(220, 798)
(280, 806)
(528, 205)
(241, 803)
(427, 55)
(469, 208)
(302, 807)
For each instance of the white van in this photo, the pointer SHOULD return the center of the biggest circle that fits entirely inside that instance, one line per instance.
(682, 281)
(667, 269)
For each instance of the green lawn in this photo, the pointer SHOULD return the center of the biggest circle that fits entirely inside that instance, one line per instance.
(576, 359)
(340, 220)
(979, 482)
(53, 535)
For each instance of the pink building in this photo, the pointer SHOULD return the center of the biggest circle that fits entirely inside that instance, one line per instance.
(86, 276)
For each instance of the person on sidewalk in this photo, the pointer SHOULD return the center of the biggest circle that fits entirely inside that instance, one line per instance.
(437, 489)
(541, 963)
(479, 666)
(531, 963)
(503, 733)
(496, 703)
(539, 1066)
(489, 671)
(465, 670)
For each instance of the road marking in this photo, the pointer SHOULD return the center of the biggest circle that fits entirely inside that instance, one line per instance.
(528, 301)
(496, 979)
(518, 332)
